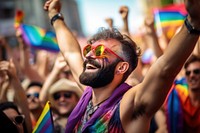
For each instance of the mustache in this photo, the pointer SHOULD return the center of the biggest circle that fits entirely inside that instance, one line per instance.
(93, 62)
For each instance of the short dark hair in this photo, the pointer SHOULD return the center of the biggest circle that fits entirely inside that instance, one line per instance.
(7, 105)
(130, 51)
(191, 59)
(39, 84)
(12, 105)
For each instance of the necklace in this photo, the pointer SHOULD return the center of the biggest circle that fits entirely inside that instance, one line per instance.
(91, 109)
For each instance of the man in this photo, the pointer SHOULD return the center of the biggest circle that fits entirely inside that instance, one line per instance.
(34, 104)
(183, 103)
(63, 95)
(109, 105)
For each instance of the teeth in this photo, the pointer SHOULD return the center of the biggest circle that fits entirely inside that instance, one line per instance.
(89, 66)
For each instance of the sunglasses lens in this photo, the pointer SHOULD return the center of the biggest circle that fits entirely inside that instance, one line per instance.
(197, 71)
(36, 95)
(28, 95)
(86, 50)
(67, 95)
(56, 96)
(187, 73)
(19, 119)
(99, 50)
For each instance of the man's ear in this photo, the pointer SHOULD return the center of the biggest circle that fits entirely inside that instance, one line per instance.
(122, 67)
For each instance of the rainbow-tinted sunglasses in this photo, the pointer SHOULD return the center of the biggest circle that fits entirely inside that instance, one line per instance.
(99, 51)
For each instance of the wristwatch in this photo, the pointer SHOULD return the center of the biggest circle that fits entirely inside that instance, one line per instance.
(190, 28)
(57, 16)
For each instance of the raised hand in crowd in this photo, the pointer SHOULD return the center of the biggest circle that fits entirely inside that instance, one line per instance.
(124, 11)
(8, 68)
(58, 68)
(109, 21)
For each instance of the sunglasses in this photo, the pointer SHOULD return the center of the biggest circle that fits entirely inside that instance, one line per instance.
(99, 51)
(66, 95)
(36, 95)
(18, 119)
(195, 71)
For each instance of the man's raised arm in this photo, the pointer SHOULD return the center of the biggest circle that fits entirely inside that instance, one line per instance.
(67, 42)
(148, 96)
(160, 77)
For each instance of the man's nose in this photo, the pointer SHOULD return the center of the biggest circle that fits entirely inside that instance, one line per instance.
(90, 54)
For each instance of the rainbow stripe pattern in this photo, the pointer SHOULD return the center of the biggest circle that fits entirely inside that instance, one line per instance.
(18, 19)
(174, 110)
(39, 38)
(45, 121)
(169, 18)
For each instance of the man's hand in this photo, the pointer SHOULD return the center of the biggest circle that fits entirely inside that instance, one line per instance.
(53, 7)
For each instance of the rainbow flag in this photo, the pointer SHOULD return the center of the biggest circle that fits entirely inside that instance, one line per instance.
(169, 18)
(18, 19)
(45, 121)
(39, 38)
(173, 106)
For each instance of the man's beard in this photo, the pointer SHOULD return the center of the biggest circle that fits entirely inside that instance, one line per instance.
(100, 78)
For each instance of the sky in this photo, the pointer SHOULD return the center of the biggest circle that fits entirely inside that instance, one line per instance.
(94, 12)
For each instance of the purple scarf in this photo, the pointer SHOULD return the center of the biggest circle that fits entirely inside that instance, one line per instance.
(80, 108)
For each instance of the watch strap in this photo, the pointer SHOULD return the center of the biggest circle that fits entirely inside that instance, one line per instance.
(57, 16)
(190, 28)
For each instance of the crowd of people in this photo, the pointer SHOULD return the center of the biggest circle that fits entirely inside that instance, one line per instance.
(105, 86)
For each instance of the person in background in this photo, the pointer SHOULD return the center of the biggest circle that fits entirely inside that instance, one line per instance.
(183, 103)
(9, 80)
(6, 125)
(34, 104)
(63, 96)
(12, 112)
(108, 104)
(63, 93)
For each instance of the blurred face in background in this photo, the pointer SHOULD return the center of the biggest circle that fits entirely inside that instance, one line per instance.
(64, 102)
(192, 74)
(32, 94)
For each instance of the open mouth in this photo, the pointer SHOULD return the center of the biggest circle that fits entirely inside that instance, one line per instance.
(90, 67)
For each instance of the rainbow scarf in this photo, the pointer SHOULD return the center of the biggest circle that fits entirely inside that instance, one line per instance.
(39, 38)
(169, 18)
(79, 110)
(45, 121)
